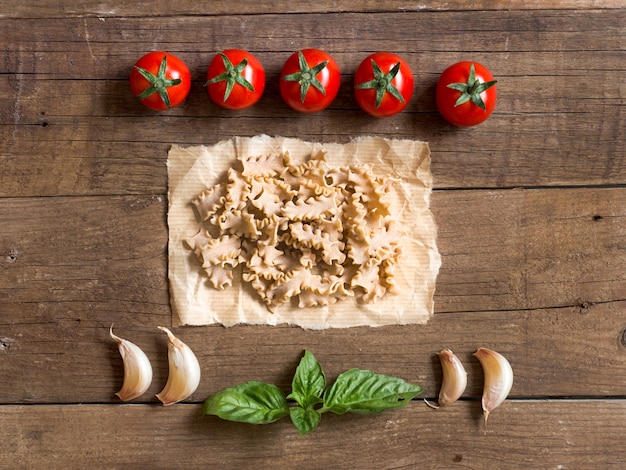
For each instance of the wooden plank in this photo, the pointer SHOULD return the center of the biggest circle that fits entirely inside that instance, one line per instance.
(501, 250)
(90, 8)
(537, 274)
(554, 352)
(92, 155)
(529, 248)
(61, 352)
(521, 434)
(90, 48)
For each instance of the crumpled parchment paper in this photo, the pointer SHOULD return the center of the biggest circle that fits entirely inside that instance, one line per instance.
(195, 302)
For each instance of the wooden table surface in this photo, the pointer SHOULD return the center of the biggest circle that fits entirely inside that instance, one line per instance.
(530, 207)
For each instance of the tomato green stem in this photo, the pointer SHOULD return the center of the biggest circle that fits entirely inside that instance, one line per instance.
(382, 83)
(159, 83)
(232, 75)
(471, 90)
(306, 76)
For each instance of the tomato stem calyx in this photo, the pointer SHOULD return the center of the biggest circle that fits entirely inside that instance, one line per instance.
(232, 75)
(306, 76)
(382, 83)
(158, 83)
(471, 90)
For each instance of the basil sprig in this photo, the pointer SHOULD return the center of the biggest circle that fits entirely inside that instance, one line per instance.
(354, 391)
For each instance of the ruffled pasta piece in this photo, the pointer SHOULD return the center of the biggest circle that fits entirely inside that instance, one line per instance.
(368, 279)
(264, 271)
(315, 161)
(306, 188)
(260, 285)
(314, 170)
(301, 280)
(338, 177)
(307, 258)
(271, 229)
(237, 190)
(309, 188)
(334, 284)
(358, 250)
(387, 275)
(269, 194)
(294, 258)
(238, 223)
(373, 295)
(271, 256)
(362, 180)
(314, 299)
(331, 227)
(367, 276)
(221, 251)
(267, 263)
(290, 286)
(305, 235)
(200, 239)
(374, 191)
(312, 208)
(219, 276)
(384, 243)
(262, 165)
(342, 279)
(209, 201)
(305, 184)
(354, 214)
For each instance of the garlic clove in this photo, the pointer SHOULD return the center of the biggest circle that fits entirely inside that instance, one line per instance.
(498, 379)
(454, 379)
(184, 371)
(137, 369)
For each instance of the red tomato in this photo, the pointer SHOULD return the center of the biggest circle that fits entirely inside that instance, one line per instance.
(310, 80)
(160, 80)
(383, 84)
(236, 79)
(466, 94)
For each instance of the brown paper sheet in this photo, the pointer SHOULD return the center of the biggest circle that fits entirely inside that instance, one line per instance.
(195, 302)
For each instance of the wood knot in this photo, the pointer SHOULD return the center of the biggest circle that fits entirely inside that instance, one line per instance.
(583, 305)
(43, 120)
(11, 255)
(622, 338)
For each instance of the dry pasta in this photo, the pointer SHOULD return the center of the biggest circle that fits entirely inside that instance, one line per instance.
(305, 233)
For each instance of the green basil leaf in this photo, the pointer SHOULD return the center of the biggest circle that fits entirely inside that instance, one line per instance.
(305, 421)
(363, 391)
(308, 382)
(252, 402)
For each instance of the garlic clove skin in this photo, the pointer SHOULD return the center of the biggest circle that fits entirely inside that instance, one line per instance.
(137, 369)
(454, 378)
(498, 379)
(184, 371)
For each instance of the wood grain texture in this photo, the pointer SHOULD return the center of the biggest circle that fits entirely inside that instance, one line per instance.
(536, 434)
(142, 8)
(530, 207)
